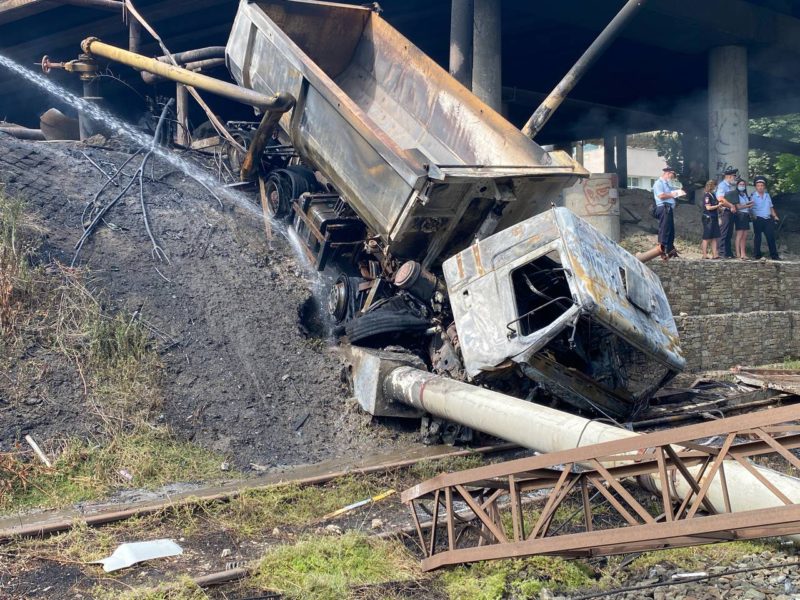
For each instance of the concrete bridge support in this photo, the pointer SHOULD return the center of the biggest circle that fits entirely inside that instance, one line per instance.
(487, 81)
(462, 24)
(727, 110)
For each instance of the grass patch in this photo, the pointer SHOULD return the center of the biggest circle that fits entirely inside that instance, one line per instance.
(693, 558)
(791, 364)
(181, 589)
(431, 468)
(53, 330)
(261, 510)
(84, 471)
(16, 281)
(326, 568)
(519, 579)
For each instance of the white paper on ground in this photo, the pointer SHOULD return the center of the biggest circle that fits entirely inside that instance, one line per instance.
(131, 553)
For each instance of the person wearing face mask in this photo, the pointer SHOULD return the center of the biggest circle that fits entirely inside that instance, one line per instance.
(727, 212)
(765, 218)
(664, 195)
(741, 200)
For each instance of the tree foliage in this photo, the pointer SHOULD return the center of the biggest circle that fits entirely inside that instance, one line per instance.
(782, 170)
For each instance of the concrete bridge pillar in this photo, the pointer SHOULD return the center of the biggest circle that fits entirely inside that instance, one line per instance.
(727, 110)
(487, 82)
(462, 24)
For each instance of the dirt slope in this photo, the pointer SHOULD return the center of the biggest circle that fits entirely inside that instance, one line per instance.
(243, 378)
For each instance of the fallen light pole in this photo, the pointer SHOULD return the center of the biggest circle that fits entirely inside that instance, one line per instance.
(744, 487)
(570, 80)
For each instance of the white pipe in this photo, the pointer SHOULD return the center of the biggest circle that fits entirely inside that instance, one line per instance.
(548, 430)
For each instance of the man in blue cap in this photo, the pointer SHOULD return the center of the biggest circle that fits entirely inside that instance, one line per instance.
(765, 218)
(726, 214)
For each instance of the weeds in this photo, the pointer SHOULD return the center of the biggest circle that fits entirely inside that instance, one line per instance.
(259, 510)
(519, 579)
(427, 469)
(326, 568)
(83, 471)
(15, 253)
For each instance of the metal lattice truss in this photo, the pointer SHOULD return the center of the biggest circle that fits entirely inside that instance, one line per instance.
(698, 494)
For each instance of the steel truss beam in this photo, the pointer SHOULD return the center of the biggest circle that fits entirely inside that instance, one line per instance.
(480, 511)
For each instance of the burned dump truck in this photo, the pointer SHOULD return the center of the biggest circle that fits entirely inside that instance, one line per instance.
(436, 217)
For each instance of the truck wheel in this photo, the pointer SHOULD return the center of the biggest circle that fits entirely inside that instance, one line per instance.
(384, 323)
(277, 190)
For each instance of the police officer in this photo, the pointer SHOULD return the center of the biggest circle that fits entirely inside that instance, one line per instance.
(664, 195)
(726, 214)
(765, 218)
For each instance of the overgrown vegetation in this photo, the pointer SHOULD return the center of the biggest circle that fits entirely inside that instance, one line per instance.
(327, 567)
(49, 319)
(782, 170)
(518, 579)
(15, 274)
(260, 510)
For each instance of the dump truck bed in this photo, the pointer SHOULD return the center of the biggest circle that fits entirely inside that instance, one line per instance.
(419, 158)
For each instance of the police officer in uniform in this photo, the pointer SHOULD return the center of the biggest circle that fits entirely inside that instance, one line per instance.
(664, 195)
(765, 218)
(726, 214)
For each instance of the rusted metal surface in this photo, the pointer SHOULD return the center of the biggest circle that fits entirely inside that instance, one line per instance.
(23, 133)
(268, 124)
(595, 284)
(784, 380)
(419, 158)
(701, 494)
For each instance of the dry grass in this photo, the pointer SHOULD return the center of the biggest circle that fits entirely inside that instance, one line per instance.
(51, 320)
(16, 287)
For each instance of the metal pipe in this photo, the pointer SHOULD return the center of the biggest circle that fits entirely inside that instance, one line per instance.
(101, 4)
(264, 132)
(23, 133)
(91, 93)
(134, 36)
(279, 101)
(194, 55)
(593, 52)
(200, 65)
(182, 115)
(548, 430)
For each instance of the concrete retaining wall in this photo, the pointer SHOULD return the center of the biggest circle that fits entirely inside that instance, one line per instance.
(733, 312)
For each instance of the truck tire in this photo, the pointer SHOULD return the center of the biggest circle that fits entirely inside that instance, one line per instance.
(384, 322)
(283, 186)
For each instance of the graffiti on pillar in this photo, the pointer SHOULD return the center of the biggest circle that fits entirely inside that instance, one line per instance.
(600, 195)
(723, 135)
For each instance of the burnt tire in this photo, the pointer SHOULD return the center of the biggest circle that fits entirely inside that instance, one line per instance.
(277, 189)
(385, 323)
(283, 186)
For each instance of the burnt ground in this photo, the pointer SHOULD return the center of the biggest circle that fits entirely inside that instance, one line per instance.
(245, 377)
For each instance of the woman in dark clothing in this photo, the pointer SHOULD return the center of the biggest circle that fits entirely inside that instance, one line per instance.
(710, 221)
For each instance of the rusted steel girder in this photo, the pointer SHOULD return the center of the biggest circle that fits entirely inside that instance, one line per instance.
(583, 480)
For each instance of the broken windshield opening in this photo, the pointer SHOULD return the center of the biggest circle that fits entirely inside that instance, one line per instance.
(541, 293)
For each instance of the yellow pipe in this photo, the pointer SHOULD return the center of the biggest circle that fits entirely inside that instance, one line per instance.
(280, 102)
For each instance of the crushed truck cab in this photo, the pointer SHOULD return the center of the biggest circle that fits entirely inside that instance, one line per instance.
(569, 307)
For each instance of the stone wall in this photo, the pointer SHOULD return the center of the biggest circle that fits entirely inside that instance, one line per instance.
(733, 312)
